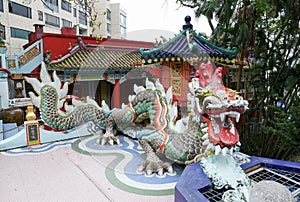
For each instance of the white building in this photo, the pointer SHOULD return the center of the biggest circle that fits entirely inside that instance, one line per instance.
(17, 18)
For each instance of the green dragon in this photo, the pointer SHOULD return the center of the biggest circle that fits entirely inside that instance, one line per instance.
(151, 118)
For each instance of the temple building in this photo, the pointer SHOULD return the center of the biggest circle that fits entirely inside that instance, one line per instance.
(177, 60)
(102, 71)
(107, 69)
(91, 64)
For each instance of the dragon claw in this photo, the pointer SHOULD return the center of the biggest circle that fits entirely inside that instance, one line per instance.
(160, 172)
(109, 139)
(148, 172)
(170, 170)
(140, 169)
(102, 141)
(111, 142)
(158, 167)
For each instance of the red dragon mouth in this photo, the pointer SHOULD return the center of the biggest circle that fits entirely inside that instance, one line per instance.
(221, 119)
(221, 127)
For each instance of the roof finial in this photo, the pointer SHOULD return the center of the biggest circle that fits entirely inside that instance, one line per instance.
(188, 24)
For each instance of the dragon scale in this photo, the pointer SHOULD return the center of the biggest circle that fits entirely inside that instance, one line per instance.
(50, 115)
(151, 117)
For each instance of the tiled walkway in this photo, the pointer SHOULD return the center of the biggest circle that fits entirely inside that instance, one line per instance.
(79, 170)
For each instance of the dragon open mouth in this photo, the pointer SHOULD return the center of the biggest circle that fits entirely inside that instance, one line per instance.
(221, 119)
(221, 128)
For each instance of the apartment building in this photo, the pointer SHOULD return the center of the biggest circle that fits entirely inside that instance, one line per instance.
(118, 21)
(98, 18)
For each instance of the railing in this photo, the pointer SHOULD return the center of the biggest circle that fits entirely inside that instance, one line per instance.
(27, 60)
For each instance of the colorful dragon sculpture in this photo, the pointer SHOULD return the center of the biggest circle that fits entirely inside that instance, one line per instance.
(151, 117)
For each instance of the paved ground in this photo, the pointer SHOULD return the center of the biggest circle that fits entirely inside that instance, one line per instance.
(62, 174)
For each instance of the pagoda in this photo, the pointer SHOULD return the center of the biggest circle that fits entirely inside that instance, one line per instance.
(177, 60)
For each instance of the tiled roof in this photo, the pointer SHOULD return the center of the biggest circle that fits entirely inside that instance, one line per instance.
(98, 58)
(189, 46)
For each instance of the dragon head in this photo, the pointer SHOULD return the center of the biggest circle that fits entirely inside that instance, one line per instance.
(221, 107)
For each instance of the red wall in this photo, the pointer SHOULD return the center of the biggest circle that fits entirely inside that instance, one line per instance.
(58, 44)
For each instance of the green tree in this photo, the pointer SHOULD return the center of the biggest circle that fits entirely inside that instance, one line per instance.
(269, 29)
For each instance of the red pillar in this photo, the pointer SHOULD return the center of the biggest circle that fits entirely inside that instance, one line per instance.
(116, 95)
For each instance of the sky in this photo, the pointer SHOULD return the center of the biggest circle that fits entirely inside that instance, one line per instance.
(147, 20)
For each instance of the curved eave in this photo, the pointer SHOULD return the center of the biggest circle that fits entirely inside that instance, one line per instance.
(164, 46)
(225, 50)
(99, 60)
(179, 49)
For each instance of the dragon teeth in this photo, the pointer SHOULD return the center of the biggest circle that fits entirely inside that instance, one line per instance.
(232, 129)
(222, 116)
(215, 126)
(217, 149)
(237, 117)
(224, 151)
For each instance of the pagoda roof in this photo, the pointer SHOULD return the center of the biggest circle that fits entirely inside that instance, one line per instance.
(189, 46)
(86, 56)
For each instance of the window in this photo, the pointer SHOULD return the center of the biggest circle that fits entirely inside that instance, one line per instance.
(19, 9)
(51, 20)
(108, 14)
(51, 4)
(108, 28)
(2, 31)
(74, 12)
(123, 31)
(82, 18)
(19, 33)
(40, 15)
(66, 23)
(84, 6)
(123, 19)
(1, 5)
(83, 32)
(65, 5)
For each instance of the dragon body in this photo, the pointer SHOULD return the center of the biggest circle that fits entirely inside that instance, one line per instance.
(151, 118)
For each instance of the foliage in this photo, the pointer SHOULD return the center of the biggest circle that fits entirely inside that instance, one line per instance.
(3, 43)
(269, 29)
(92, 12)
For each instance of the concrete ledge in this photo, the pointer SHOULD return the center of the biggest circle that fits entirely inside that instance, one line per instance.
(20, 140)
(193, 180)
(15, 141)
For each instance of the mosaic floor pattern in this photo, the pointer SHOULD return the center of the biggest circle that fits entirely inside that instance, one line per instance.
(122, 171)
(120, 162)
